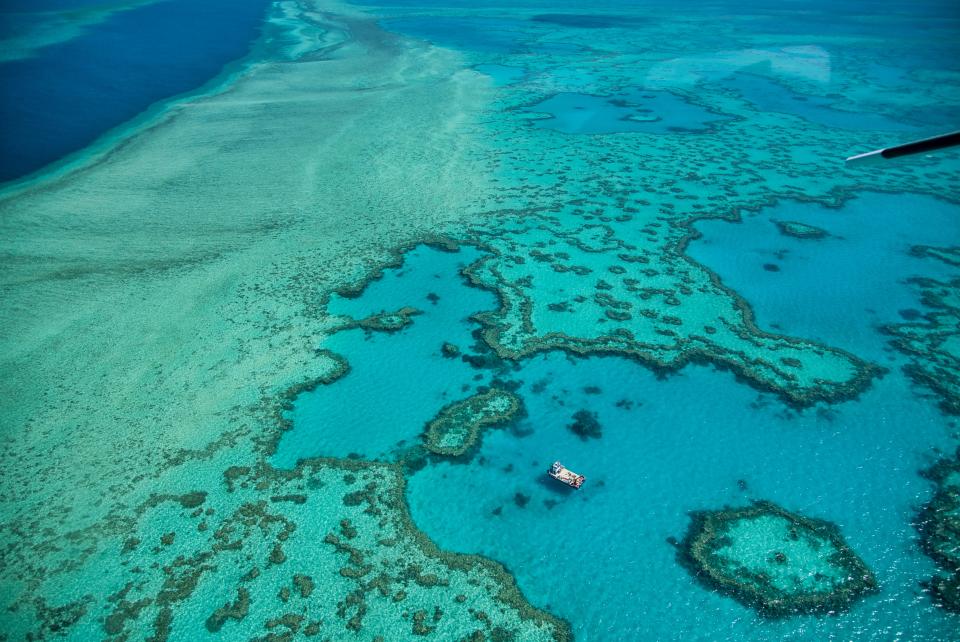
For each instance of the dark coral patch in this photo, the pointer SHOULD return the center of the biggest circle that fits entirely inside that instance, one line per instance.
(586, 425)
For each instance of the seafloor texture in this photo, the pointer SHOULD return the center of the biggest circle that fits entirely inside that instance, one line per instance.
(241, 336)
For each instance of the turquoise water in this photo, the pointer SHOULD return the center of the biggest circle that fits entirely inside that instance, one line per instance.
(636, 111)
(659, 456)
(489, 35)
(695, 438)
(866, 255)
(381, 405)
(614, 186)
(502, 74)
(767, 95)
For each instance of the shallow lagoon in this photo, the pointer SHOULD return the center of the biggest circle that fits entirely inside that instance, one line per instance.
(696, 440)
(831, 289)
(656, 112)
(768, 95)
(502, 74)
(397, 381)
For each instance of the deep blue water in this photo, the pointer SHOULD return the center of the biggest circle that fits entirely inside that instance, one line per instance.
(68, 94)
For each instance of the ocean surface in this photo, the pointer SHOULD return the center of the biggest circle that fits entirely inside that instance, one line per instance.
(61, 97)
(600, 557)
(697, 438)
(655, 228)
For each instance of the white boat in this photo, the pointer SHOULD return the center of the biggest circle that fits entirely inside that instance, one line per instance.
(563, 474)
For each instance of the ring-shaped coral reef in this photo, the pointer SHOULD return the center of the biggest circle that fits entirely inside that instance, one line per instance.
(775, 561)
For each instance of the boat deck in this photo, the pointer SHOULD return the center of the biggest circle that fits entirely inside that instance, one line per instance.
(563, 474)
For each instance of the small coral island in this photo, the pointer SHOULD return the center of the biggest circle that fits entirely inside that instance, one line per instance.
(457, 426)
(775, 561)
(801, 230)
(389, 321)
(939, 526)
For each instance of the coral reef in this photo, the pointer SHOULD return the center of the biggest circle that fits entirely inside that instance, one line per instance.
(775, 561)
(656, 306)
(939, 526)
(801, 230)
(389, 321)
(457, 426)
(450, 350)
(251, 544)
(949, 255)
(933, 344)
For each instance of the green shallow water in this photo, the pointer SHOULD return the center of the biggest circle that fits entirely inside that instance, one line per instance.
(211, 429)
